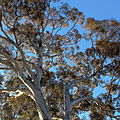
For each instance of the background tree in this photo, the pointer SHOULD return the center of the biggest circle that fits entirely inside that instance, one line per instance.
(42, 59)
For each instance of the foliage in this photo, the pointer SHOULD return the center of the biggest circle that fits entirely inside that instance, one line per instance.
(37, 39)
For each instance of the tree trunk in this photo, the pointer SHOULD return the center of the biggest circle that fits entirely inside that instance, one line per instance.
(67, 104)
(42, 108)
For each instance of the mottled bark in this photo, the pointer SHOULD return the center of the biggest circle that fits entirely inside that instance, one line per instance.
(67, 104)
(42, 108)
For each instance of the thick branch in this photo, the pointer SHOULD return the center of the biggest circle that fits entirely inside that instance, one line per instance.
(39, 71)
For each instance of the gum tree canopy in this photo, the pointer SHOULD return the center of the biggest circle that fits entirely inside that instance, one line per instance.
(47, 73)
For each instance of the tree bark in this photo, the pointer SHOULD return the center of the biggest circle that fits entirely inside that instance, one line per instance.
(42, 108)
(67, 104)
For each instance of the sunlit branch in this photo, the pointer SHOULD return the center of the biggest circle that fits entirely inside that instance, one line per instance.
(9, 65)
(19, 70)
(16, 93)
(12, 61)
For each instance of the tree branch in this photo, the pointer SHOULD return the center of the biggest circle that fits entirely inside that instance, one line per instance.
(19, 71)
(16, 92)
(8, 39)
(77, 100)
(3, 68)
(8, 64)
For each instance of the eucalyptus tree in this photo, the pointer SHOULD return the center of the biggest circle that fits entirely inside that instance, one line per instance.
(45, 69)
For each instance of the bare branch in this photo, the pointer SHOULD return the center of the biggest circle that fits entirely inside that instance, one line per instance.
(3, 68)
(77, 100)
(17, 93)
(8, 64)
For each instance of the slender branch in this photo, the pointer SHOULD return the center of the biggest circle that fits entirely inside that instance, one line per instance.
(55, 118)
(82, 98)
(77, 100)
(16, 92)
(96, 101)
(19, 71)
(8, 39)
(3, 68)
(8, 64)
(72, 27)
(12, 61)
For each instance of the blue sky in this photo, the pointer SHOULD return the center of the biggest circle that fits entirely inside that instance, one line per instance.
(99, 9)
